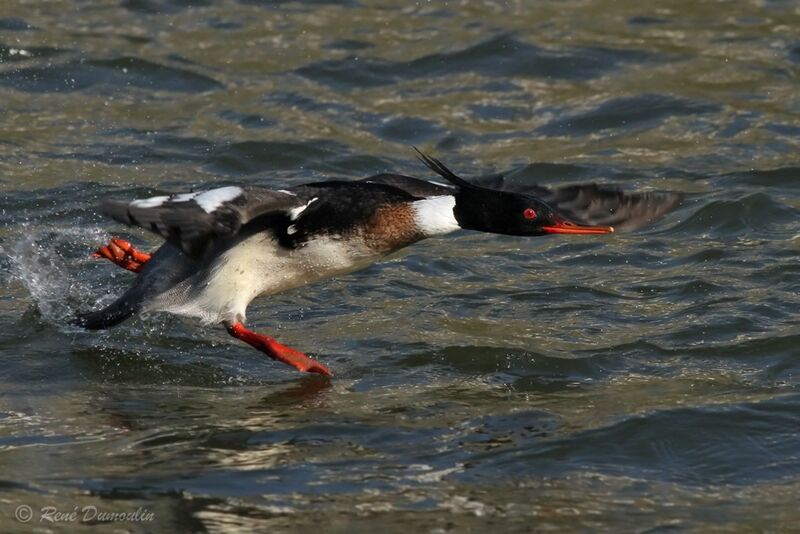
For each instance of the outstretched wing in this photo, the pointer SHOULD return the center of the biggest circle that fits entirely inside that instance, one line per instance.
(603, 205)
(193, 220)
(596, 204)
(588, 204)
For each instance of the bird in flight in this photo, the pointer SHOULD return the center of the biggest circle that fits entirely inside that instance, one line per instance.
(224, 247)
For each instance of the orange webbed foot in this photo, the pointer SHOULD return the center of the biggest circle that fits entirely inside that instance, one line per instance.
(277, 351)
(122, 253)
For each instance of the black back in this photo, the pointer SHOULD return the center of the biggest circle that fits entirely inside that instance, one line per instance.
(341, 208)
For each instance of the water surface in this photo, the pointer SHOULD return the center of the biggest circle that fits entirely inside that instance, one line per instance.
(631, 382)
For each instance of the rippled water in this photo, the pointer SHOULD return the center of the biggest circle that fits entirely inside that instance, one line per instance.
(641, 381)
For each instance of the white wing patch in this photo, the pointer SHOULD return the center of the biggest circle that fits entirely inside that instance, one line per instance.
(184, 197)
(152, 202)
(434, 215)
(207, 200)
(295, 213)
(211, 200)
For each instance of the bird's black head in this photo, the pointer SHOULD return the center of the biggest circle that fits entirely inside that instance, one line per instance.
(504, 212)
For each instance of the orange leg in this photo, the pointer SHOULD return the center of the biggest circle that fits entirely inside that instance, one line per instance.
(277, 351)
(123, 254)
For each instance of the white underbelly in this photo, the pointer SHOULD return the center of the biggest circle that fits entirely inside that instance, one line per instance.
(258, 266)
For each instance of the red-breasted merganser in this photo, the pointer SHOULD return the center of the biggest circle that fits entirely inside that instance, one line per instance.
(226, 246)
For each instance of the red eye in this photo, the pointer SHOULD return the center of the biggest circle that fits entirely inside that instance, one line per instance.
(529, 213)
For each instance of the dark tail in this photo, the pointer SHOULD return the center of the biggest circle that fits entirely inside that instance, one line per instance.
(167, 266)
(109, 316)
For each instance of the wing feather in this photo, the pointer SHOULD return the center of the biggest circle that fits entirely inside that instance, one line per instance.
(193, 220)
(604, 205)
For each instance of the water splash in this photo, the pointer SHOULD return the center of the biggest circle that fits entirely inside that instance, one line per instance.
(44, 261)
